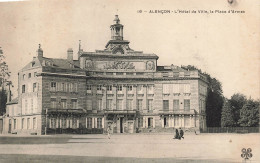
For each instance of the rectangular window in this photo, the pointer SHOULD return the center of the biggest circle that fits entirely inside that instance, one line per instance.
(166, 89)
(119, 104)
(74, 103)
(89, 122)
(14, 123)
(70, 87)
(187, 105)
(63, 87)
(99, 122)
(140, 122)
(140, 89)
(63, 123)
(29, 75)
(150, 89)
(28, 123)
(22, 123)
(186, 88)
(53, 86)
(140, 104)
(129, 89)
(119, 88)
(150, 104)
(64, 103)
(53, 103)
(34, 74)
(166, 105)
(89, 104)
(150, 122)
(23, 76)
(109, 104)
(89, 87)
(34, 123)
(99, 104)
(129, 104)
(74, 123)
(23, 88)
(75, 87)
(176, 105)
(109, 88)
(53, 123)
(34, 87)
(176, 88)
(99, 87)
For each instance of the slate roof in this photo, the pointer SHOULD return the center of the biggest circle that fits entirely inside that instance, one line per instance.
(53, 62)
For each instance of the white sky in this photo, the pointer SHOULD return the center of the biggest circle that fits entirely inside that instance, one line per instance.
(224, 45)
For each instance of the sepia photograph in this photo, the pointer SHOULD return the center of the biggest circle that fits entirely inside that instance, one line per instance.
(130, 81)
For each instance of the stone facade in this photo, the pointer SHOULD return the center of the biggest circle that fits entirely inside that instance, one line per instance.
(117, 87)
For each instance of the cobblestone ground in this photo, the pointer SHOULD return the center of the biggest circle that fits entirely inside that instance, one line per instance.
(129, 148)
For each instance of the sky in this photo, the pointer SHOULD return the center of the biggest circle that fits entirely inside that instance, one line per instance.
(227, 46)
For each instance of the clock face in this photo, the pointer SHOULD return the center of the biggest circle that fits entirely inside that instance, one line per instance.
(150, 65)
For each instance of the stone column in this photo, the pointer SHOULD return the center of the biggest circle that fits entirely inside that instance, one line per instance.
(183, 121)
(103, 122)
(144, 122)
(93, 122)
(173, 121)
(162, 120)
(191, 125)
(153, 122)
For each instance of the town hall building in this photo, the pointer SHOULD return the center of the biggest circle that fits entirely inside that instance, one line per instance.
(117, 87)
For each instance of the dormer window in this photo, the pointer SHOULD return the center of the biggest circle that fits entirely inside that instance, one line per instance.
(33, 63)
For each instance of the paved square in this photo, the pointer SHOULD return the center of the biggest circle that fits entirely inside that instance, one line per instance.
(129, 148)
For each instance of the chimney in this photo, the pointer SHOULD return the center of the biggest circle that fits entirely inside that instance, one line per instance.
(39, 52)
(70, 54)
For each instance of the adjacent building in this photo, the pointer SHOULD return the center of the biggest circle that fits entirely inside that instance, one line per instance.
(116, 87)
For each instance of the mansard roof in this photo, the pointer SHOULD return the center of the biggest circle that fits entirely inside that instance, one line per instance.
(52, 62)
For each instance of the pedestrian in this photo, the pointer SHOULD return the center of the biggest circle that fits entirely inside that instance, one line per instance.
(181, 134)
(108, 132)
(176, 136)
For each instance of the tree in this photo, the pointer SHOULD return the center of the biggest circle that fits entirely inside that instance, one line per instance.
(215, 98)
(249, 114)
(237, 101)
(227, 116)
(4, 76)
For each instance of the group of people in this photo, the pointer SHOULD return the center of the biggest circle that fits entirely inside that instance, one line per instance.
(179, 134)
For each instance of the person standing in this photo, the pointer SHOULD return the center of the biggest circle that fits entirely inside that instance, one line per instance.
(181, 134)
(108, 132)
(176, 136)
